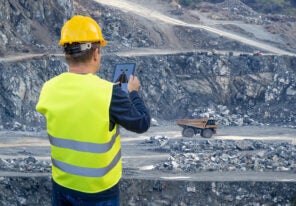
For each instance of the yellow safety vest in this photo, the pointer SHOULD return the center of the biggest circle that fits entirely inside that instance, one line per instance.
(86, 156)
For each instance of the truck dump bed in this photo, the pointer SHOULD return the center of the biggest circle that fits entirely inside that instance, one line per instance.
(206, 127)
(198, 123)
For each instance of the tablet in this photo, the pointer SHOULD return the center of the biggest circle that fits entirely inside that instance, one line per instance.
(122, 73)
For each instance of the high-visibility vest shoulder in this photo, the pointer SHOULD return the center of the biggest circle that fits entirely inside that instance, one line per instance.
(85, 155)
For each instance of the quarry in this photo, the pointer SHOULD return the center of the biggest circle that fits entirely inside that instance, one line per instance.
(192, 64)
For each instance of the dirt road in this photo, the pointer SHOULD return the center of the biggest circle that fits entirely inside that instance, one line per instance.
(19, 144)
(139, 158)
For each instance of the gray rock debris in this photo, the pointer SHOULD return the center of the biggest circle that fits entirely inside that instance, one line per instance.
(228, 155)
(28, 164)
(223, 116)
(154, 122)
(158, 141)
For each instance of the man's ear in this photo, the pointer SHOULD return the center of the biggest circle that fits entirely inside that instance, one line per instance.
(97, 53)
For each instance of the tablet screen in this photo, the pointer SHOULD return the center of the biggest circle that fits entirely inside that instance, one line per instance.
(122, 73)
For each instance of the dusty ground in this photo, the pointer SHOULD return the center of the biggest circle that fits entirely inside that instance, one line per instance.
(139, 158)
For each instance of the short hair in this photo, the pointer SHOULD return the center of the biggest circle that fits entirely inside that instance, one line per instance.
(79, 56)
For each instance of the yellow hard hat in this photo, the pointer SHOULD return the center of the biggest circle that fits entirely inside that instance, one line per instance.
(81, 29)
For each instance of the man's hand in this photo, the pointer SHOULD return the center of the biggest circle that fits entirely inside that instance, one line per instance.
(133, 84)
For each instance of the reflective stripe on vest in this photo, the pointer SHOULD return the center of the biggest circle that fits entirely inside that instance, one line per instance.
(86, 172)
(83, 146)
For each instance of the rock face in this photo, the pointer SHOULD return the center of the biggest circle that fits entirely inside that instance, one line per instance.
(185, 85)
(235, 89)
(29, 25)
(248, 88)
(20, 87)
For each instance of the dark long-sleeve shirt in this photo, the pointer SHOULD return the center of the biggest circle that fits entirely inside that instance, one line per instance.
(129, 111)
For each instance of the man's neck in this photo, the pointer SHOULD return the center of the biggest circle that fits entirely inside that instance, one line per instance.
(81, 69)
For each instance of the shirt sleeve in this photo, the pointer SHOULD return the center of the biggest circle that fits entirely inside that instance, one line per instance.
(129, 111)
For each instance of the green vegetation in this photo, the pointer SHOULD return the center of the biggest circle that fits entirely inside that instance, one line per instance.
(287, 7)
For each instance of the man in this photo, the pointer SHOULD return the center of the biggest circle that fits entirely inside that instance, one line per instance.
(83, 113)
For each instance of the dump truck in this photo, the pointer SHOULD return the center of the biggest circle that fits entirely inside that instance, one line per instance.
(206, 127)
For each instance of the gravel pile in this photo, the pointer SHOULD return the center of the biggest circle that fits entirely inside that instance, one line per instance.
(224, 116)
(228, 155)
(157, 141)
(28, 164)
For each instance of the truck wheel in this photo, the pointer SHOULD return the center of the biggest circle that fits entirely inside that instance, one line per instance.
(188, 132)
(207, 133)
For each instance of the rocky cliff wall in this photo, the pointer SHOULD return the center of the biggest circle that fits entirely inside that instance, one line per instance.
(29, 25)
(247, 88)
(20, 84)
(235, 89)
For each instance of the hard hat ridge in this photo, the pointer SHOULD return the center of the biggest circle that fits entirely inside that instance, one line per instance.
(81, 29)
